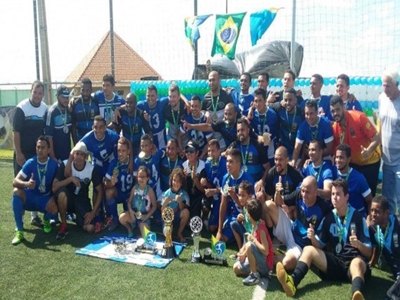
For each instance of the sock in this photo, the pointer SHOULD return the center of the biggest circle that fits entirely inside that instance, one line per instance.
(299, 273)
(357, 284)
(111, 209)
(18, 209)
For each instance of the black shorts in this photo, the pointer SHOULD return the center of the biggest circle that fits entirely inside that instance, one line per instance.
(338, 270)
(78, 205)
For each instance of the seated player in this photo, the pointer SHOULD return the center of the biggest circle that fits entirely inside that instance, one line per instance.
(256, 257)
(178, 199)
(32, 189)
(72, 192)
(340, 248)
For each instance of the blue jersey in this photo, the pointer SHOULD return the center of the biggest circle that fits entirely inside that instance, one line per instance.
(215, 171)
(322, 131)
(324, 106)
(141, 200)
(253, 158)
(353, 105)
(166, 167)
(174, 204)
(132, 127)
(267, 122)
(333, 234)
(321, 173)
(58, 127)
(153, 164)
(306, 215)
(242, 101)
(228, 181)
(228, 132)
(387, 243)
(199, 137)
(43, 174)
(124, 177)
(104, 151)
(157, 119)
(289, 123)
(358, 189)
(82, 116)
(108, 106)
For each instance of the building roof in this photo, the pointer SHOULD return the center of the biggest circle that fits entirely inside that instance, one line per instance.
(129, 65)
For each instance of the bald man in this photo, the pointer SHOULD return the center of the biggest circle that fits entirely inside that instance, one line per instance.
(308, 209)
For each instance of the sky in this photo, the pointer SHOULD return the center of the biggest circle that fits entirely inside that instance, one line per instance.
(357, 37)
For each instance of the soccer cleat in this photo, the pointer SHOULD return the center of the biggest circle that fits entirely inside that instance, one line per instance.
(285, 280)
(62, 232)
(37, 221)
(252, 279)
(357, 296)
(47, 226)
(18, 238)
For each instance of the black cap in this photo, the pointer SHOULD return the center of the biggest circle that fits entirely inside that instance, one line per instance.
(63, 91)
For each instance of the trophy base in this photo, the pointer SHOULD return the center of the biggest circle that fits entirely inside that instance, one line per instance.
(209, 260)
(148, 250)
(168, 252)
(196, 259)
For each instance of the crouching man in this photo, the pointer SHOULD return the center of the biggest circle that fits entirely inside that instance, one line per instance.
(72, 192)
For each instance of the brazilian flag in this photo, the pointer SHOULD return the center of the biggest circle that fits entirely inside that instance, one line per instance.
(227, 29)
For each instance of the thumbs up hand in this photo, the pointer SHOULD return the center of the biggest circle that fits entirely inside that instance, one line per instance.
(31, 182)
(279, 186)
(311, 232)
(353, 239)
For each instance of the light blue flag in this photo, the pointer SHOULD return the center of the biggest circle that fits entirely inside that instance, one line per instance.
(192, 25)
(259, 23)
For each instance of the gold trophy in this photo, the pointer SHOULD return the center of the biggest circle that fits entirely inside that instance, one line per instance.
(168, 217)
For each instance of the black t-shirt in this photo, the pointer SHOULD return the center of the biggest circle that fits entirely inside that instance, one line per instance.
(386, 243)
(328, 234)
(209, 101)
(290, 181)
(29, 121)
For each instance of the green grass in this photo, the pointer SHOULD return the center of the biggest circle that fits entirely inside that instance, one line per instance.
(44, 268)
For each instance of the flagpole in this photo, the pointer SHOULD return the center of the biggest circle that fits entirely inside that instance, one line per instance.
(112, 38)
(292, 42)
(226, 6)
(196, 53)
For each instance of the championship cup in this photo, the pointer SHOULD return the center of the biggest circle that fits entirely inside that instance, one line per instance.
(196, 225)
(168, 217)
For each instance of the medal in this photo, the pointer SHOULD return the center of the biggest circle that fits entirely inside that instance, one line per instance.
(338, 248)
(42, 188)
(214, 117)
(65, 129)
(138, 215)
(245, 168)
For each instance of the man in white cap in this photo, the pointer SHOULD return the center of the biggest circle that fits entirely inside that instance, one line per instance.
(72, 192)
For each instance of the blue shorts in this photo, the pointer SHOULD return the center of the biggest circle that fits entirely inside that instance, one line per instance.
(36, 202)
(227, 229)
(122, 198)
(238, 228)
(214, 214)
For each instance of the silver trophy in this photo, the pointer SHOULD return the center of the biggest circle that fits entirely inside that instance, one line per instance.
(196, 225)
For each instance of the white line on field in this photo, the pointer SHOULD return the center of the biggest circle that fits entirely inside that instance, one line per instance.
(260, 290)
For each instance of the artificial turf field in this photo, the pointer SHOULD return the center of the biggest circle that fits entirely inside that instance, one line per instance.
(43, 268)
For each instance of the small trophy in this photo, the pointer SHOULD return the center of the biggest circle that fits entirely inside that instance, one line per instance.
(168, 217)
(196, 225)
(215, 255)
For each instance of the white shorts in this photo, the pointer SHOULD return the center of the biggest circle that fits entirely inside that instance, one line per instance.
(283, 232)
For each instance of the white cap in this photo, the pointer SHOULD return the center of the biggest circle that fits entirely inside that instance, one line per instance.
(80, 146)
